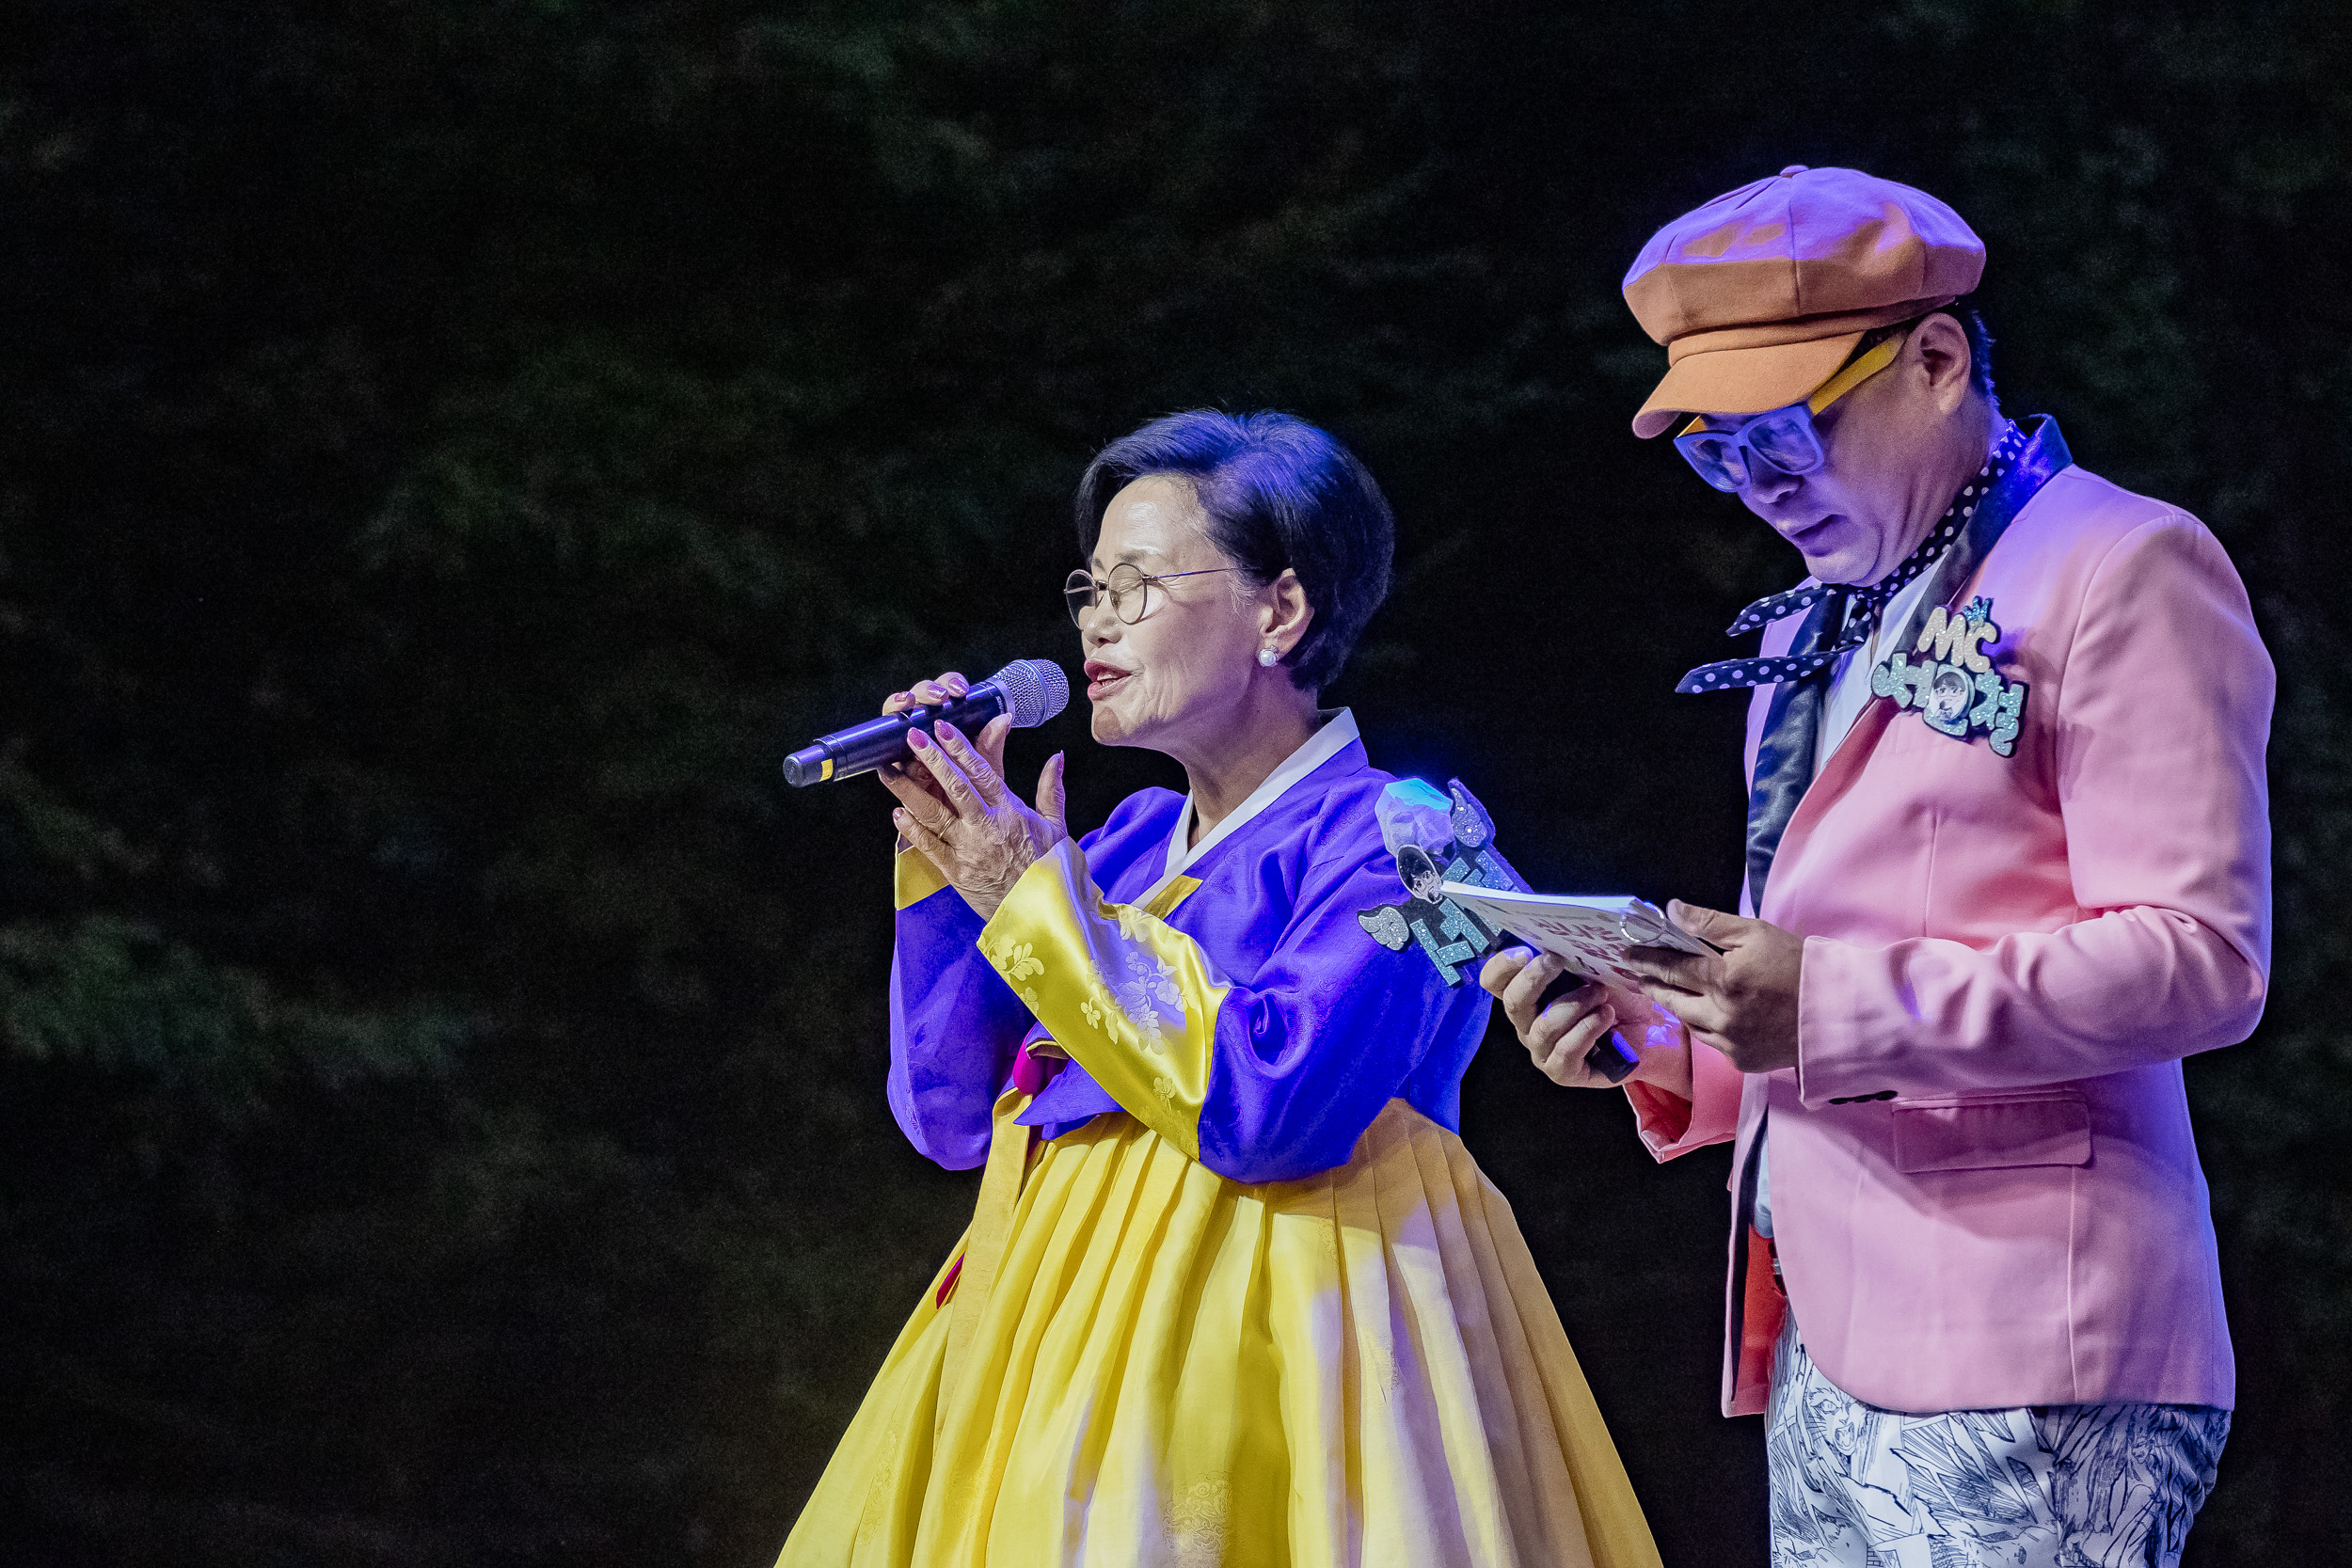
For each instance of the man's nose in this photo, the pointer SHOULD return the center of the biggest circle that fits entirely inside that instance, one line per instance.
(1769, 486)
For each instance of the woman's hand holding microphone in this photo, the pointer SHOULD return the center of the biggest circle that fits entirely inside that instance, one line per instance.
(955, 807)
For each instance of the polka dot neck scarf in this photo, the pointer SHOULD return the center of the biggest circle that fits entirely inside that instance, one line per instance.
(1859, 607)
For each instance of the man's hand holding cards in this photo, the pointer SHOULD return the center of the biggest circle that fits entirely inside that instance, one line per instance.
(1560, 1015)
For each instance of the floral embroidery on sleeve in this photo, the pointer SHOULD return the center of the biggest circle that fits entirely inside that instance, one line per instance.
(1139, 1011)
(1141, 998)
(1017, 961)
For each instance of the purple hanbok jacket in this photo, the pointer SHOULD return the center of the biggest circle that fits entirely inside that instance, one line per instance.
(1237, 1006)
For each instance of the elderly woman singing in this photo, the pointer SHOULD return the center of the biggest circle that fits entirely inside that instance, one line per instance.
(1234, 1292)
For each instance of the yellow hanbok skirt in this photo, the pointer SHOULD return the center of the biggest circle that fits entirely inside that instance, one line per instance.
(1140, 1363)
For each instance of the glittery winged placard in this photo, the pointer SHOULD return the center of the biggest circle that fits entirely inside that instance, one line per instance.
(1954, 686)
(1414, 816)
(1437, 838)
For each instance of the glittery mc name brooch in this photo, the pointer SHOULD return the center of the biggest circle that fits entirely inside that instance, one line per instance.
(1955, 688)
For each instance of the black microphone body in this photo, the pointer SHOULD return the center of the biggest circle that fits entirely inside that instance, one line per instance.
(1031, 690)
(1610, 1058)
(863, 748)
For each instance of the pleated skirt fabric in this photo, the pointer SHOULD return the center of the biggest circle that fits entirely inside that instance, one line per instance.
(1171, 1369)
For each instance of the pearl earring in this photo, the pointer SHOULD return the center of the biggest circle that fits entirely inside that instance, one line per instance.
(1267, 655)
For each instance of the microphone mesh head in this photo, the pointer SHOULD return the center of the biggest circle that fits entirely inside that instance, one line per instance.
(1035, 690)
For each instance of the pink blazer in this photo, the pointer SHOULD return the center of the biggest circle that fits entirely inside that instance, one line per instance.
(1985, 1193)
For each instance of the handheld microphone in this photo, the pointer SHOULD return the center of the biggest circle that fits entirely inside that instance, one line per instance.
(1610, 1056)
(1031, 690)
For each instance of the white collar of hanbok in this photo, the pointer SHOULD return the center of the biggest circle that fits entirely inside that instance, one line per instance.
(1337, 734)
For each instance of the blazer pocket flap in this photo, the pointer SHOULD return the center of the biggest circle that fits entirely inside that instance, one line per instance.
(1990, 1133)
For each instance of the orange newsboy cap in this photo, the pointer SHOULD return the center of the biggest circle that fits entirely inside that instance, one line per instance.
(1760, 295)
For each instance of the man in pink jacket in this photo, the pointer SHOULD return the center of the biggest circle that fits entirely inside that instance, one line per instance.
(2008, 862)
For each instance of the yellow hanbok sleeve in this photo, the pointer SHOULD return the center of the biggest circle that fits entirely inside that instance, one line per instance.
(1132, 1000)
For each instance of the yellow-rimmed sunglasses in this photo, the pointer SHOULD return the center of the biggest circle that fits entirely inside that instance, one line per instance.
(1784, 439)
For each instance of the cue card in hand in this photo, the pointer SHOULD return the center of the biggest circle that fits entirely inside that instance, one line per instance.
(1593, 934)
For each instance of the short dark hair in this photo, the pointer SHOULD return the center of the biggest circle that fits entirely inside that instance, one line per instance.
(1980, 352)
(1279, 493)
(1966, 311)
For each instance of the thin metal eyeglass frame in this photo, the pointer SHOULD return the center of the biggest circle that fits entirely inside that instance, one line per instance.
(1731, 472)
(1085, 582)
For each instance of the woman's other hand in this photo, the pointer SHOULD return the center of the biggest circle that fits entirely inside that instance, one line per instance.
(955, 807)
(1559, 1036)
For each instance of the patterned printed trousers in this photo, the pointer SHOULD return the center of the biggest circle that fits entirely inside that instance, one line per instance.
(2047, 1486)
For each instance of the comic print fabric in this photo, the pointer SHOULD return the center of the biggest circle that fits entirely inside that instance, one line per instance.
(2047, 1486)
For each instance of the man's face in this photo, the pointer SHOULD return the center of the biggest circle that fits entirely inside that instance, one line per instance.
(1887, 468)
(1420, 872)
(1950, 696)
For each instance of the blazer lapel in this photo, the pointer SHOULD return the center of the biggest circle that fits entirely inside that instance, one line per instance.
(1784, 757)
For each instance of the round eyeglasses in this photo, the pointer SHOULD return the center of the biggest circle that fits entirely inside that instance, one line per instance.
(1128, 590)
(1782, 441)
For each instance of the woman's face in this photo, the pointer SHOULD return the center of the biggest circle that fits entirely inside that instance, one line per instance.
(1171, 680)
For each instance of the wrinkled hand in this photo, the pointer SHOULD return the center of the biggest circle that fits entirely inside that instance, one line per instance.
(1742, 1001)
(955, 807)
(1559, 1038)
(931, 693)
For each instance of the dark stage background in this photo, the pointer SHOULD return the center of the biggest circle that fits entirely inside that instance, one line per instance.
(452, 449)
